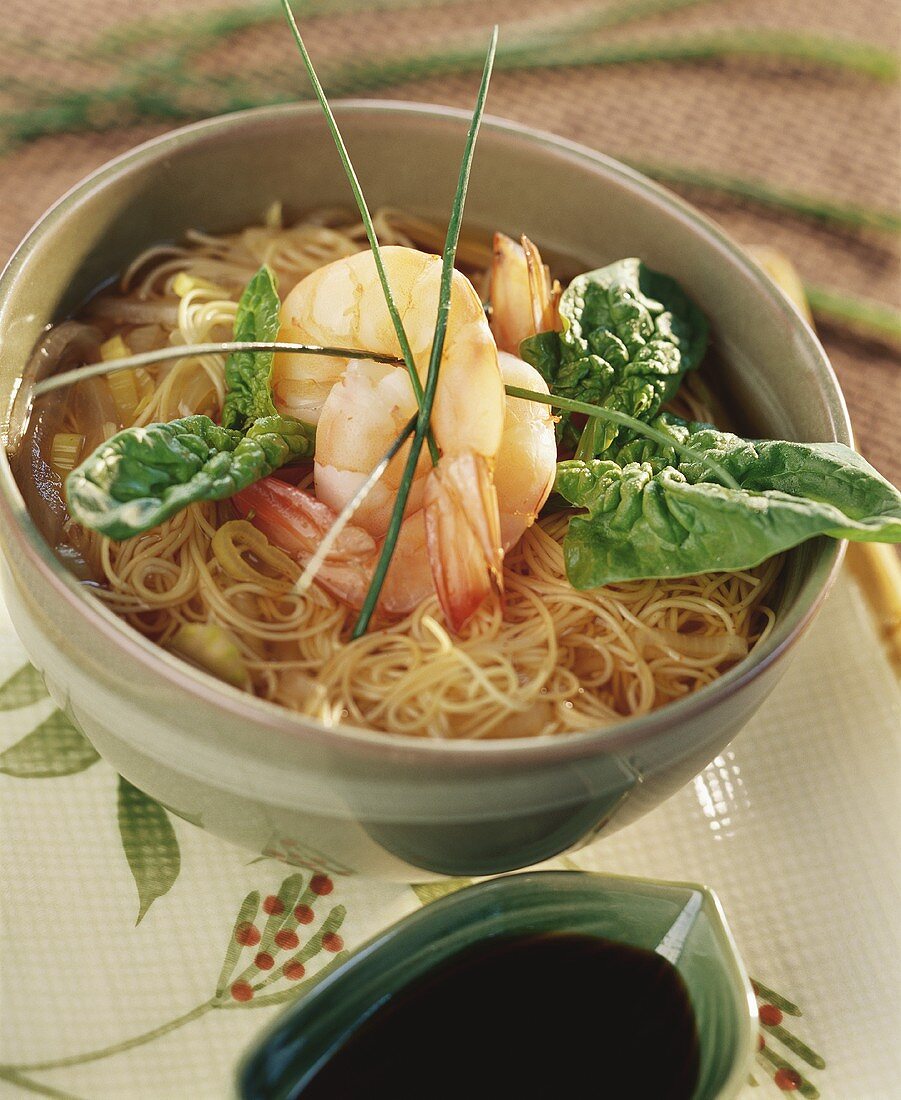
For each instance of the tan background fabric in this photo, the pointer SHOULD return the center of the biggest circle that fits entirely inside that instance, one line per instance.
(832, 134)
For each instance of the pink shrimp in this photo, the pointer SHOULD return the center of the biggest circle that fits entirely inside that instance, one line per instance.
(524, 472)
(523, 299)
(452, 536)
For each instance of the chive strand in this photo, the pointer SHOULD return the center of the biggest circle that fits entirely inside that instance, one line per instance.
(422, 422)
(184, 351)
(364, 214)
(614, 416)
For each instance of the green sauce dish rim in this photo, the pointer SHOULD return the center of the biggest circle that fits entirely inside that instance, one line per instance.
(682, 921)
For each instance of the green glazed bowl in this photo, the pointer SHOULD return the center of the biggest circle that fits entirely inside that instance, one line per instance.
(349, 800)
(682, 921)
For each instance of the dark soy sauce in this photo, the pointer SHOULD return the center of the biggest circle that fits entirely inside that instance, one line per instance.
(557, 1015)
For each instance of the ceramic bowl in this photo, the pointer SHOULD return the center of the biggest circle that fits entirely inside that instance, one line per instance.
(350, 800)
(682, 921)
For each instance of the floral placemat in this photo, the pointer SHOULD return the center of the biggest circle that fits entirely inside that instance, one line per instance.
(141, 955)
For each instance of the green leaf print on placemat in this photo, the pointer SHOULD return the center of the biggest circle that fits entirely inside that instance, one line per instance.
(286, 913)
(432, 891)
(773, 1008)
(150, 845)
(22, 688)
(258, 959)
(57, 748)
(54, 748)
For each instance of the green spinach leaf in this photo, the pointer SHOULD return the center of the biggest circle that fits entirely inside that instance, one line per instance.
(544, 353)
(629, 335)
(651, 515)
(248, 374)
(141, 476)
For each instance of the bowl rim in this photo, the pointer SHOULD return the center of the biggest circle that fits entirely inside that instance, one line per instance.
(262, 713)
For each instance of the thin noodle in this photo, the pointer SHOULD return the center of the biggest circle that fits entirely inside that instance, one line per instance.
(550, 660)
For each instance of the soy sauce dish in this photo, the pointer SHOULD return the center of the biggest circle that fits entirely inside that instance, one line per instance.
(540, 984)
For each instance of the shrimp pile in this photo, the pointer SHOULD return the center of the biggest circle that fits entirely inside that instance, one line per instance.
(497, 458)
(477, 632)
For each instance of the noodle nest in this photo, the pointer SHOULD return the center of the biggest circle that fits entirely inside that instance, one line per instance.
(549, 660)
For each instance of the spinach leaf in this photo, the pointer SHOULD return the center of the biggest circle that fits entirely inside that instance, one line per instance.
(629, 335)
(141, 476)
(543, 351)
(651, 515)
(248, 374)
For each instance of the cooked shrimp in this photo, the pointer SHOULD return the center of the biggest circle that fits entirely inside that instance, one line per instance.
(378, 400)
(368, 408)
(360, 407)
(342, 303)
(296, 521)
(523, 299)
(363, 414)
(527, 461)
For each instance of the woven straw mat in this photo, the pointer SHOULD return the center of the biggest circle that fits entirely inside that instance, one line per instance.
(833, 134)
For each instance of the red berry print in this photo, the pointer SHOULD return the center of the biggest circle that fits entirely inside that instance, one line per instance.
(331, 941)
(247, 934)
(264, 961)
(321, 884)
(242, 991)
(273, 905)
(770, 1015)
(787, 1079)
(286, 940)
(761, 1042)
(303, 914)
(294, 970)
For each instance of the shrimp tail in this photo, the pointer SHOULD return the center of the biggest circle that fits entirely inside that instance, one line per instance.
(524, 301)
(544, 294)
(463, 534)
(296, 522)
